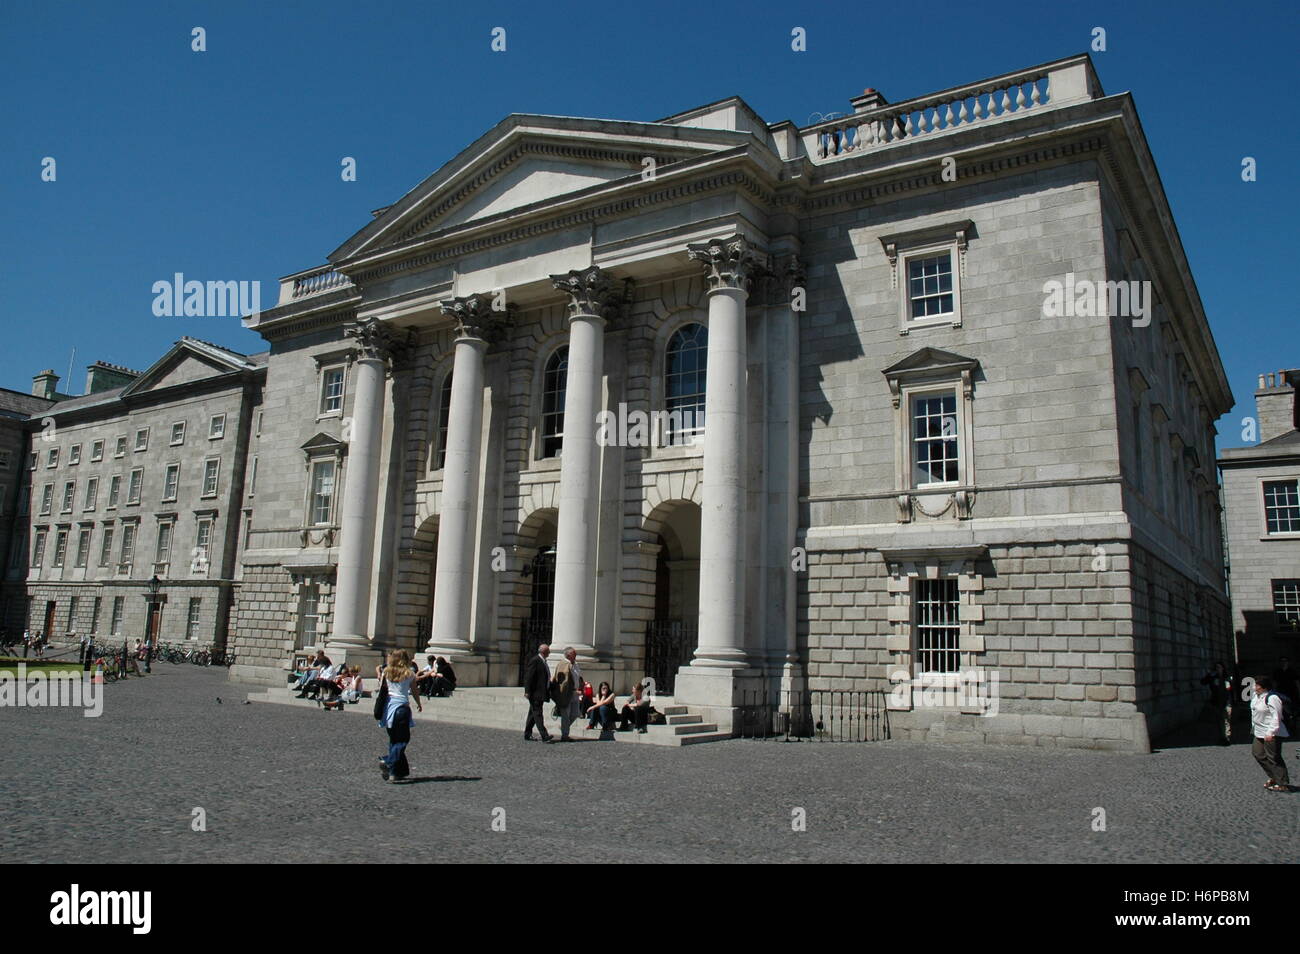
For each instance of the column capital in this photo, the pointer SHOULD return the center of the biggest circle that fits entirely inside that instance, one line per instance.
(474, 316)
(377, 341)
(729, 263)
(592, 292)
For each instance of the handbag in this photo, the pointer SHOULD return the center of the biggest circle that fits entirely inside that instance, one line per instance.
(381, 700)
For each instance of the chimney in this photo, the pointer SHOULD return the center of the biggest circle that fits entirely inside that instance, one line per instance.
(1275, 405)
(102, 376)
(45, 384)
(869, 100)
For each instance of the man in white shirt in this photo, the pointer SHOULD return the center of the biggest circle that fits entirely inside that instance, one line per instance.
(324, 680)
(1270, 730)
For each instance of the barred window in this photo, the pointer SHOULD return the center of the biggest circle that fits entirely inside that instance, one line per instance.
(937, 630)
(553, 391)
(1286, 604)
(929, 286)
(934, 439)
(1282, 506)
(686, 364)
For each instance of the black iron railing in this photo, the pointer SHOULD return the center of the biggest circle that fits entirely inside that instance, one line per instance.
(669, 645)
(817, 715)
(532, 633)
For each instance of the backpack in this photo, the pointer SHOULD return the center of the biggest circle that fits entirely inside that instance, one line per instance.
(1288, 707)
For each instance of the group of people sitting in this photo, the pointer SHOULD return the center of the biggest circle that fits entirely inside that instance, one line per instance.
(331, 686)
(334, 686)
(599, 706)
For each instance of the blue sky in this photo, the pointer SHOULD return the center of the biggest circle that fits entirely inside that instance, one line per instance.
(225, 164)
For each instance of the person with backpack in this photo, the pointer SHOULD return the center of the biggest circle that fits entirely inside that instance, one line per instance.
(1266, 719)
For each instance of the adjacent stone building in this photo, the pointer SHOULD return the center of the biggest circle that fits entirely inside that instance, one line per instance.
(920, 394)
(145, 475)
(1261, 494)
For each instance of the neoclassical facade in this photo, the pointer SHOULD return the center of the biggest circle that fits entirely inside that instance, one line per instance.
(744, 407)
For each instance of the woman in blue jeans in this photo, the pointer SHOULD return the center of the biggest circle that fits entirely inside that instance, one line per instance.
(399, 679)
(602, 708)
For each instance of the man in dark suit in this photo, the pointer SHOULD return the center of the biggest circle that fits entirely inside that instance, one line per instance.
(537, 687)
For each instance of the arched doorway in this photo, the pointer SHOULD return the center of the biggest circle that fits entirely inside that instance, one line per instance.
(539, 575)
(672, 633)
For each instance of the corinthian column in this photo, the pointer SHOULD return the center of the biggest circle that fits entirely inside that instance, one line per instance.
(375, 344)
(591, 292)
(729, 267)
(453, 586)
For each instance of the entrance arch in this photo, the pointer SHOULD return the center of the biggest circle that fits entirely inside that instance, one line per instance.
(672, 633)
(536, 593)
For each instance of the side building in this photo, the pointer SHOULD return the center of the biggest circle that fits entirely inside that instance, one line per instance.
(142, 477)
(1261, 498)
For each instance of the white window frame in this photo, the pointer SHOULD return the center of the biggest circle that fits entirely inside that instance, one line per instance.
(216, 478)
(903, 248)
(38, 546)
(312, 469)
(201, 558)
(177, 440)
(1263, 508)
(92, 494)
(171, 482)
(106, 538)
(216, 427)
(60, 548)
(69, 496)
(323, 397)
(162, 555)
(74, 455)
(97, 451)
(114, 492)
(51, 458)
(47, 499)
(119, 446)
(134, 490)
(126, 547)
(86, 535)
(193, 612)
(115, 621)
(141, 446)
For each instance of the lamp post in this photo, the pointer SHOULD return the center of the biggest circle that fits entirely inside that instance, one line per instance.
(154, 584)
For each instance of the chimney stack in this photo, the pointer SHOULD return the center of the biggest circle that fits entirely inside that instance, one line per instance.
(45, 384)
(1275, 405)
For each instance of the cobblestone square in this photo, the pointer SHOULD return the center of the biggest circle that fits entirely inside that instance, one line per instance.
(279, 783)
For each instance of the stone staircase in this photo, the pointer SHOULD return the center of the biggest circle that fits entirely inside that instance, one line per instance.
(505, 708)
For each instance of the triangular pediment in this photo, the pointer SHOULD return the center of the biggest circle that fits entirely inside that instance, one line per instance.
(188, 361)
(321, 443)
(930, 359)
(527, 161)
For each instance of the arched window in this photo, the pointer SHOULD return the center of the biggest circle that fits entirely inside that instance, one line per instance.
(554, 380)
(444, 418)
(685, 365)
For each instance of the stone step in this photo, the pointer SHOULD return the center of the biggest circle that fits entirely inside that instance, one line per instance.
(682, 719)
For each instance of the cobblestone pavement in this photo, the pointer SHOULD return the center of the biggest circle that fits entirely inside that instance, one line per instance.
(278, 782)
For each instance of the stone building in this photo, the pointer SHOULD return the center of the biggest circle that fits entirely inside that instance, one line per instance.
(142, 476)
(16, 410)
(1261, 500)
(750, 407)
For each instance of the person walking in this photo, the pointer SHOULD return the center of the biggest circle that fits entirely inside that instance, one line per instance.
(568, 691)
(1266, 723)
(537, 687)
(397, 680)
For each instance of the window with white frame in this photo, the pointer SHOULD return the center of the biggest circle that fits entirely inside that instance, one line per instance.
(1286, 604)
(127, 555)
(33, 461)
(72, 614)
(114, 490)
(142, 439)
(937, 631)
(178, 434)
(106, 547)
(119, 604)
(83, 546)
(136, 486)
(163, 551)
(1282, 506)
(926, 269)
(52, 457)
(119, 446)
(38, 547)
(554, 384)
(60, 547)
(331, 390)
(95, 605)
(930, 287)
(96, 451)
(192, 615)
(686, 362)
(69, 496)
(308, 614)
(444, 422)
(47, 498)
(202, 544)
(171, 480)
(74, 454)
(217, 427)
(92, 493)
(211, 471)
(935, 455)
(321, 503)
